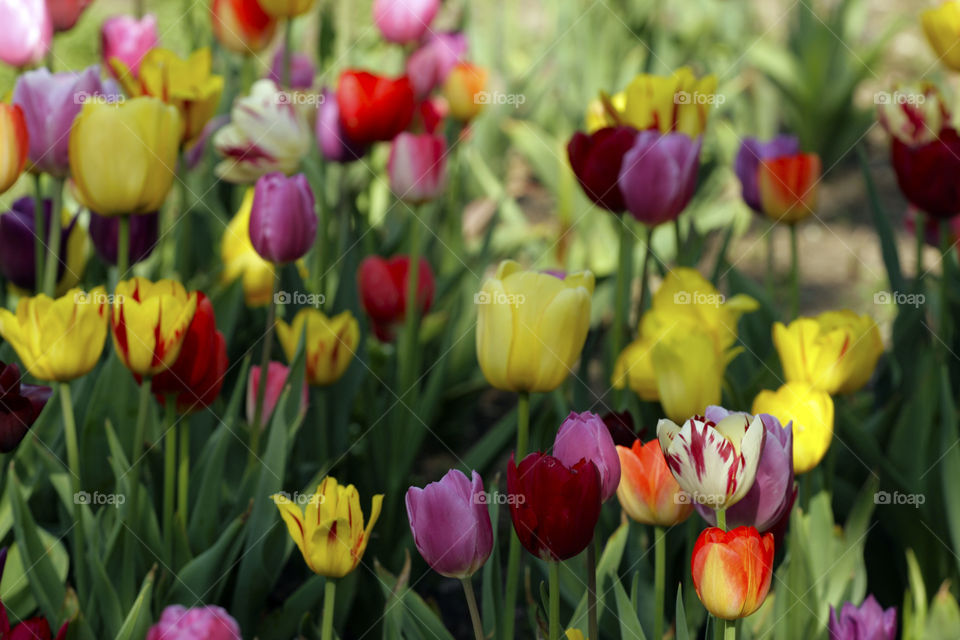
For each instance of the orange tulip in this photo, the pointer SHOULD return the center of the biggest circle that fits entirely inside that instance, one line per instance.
(648, 491)
(464, 91)
(13, 144)
(789, 186)
(242, 26)
(732, 570)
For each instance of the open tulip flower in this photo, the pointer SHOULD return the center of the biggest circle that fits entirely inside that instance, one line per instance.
(417, 167)
(374, 108)
(242, 26)
(648, 492)
(20, 406)
(198, 623)
(811, 411)
(429, 66)
(14, 144)
(658, 175)
(732, 570)
(330, 533)
(941, 25)
(584, 435)
(330, 343)
(241, 260)
(869, 621)
(403, 21)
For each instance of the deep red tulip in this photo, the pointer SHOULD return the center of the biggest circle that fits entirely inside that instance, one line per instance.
(20, 405)
(383, 292)
(596, 159)
(927, 173)
(554, 507)
(374, 107)
(621, 428)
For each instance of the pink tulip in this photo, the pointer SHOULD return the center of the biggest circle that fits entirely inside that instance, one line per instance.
(429, 66)
(277, 375)
(65, 13)
(659, 175)
(403, 21)
(283, 220)
(585, 435)
(26, 32)
(200, 623)
(128, 40)
(418, 167)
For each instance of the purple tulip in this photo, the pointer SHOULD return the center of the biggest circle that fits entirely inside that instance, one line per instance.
(869, 621)
(302, 70)
(773, 491)
(585, 435)
(50, 102)
(20, 406)
(748, 159)
(200, 623)
(26, 33)
(334, 143)
(451, 524)
(417, 166)
(429, 66)
(17, 242)
(283, 221)
(105, 232)
(403, 21)
(128, 40)
(659, 175)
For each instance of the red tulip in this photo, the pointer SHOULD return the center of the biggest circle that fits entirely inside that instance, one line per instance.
(374, 107)
(788, 186)
(596, 159)
(927, 173)
(554, 507)
(242, 26)
(383, 292)
(732, 570)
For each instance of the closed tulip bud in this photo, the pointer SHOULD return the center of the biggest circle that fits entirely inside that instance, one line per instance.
(554, 508)
(242, 26)
(679, 103)
(330, 343)
(788, 186)
(240, 259)
(65, 13)
(277, 375)
(732, 570)
(334, 142)
(27, 32)
(658, 176)
(199, 623)
(14, 144)
(418, 167)
(128, 40)
(810, 410)
(383, 292)
(20, 406)
(150, 321)
(451, 524)
(941, 25)
(330, 533)
(105, 233)
(531, 326)
(123, 156)
(869, 621)
(59, 339)
(584, 435)
(404, 21)
(596, 159)
(747, 163)
(374, 108)
(286, 8)
(716, 463)
(283, 221)
(428, 67)
(463, 88)
(17, 236)
(648, 491)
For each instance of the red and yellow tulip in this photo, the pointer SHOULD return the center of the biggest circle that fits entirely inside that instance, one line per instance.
(14, 144)
(732, 570)
(330, 343)
(789, 186)
(648, 491)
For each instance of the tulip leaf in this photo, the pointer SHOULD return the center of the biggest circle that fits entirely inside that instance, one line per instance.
(626, 614)
(139, 619)
(881, 221)
(108, 603)
(607, 567)
(951, 459)
(422, 622)
(200, 576)
(205, 517)
(681, 615)
(282, 623)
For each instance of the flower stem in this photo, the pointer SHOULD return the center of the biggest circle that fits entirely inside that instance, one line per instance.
(255, 428)
(329, 598)
(646, 235)
(287, 53)
(729, 630)
(513, 558)
(794, 273)
(945, 325)
(183, 472)
(621, 310)
(73, 461)
(123, 248)
(38, 225)
(53, 243)
(554, 600)
(169, 468)
(722, 519)
(474, 611)
(921, 230)
(770, 275)
(659, 579)
(592, 622)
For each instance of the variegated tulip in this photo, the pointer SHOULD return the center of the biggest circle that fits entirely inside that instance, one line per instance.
(330, 343)
(732, 570)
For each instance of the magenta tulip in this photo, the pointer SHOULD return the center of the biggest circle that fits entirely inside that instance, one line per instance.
(403, 21)
(585, 436)
(26, 32)
(199, 623)
(658, 175)
(869, 621)
(429, 66)
(128, 40)
(277, 374)
(418, 167)
(283, 221)
(65, 13)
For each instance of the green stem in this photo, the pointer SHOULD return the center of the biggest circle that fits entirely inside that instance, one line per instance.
(920, 225)
(38, 235)
(592, 622)
(329, 598)
(722, 519)
(659, 579)
(794, 273)
(73, 461)
(138, 8)
(255, 428)
(621, 310)
(513, 558)
(679, 240)
(646, 235)
(123, 248)
(729, 630)
(554, 600)
(169, 468)
(770, 275)
(945, 324)
(408, 354)
(287, 51)
(53, 243)
(474, 610)
(183, 473)
(523, 424)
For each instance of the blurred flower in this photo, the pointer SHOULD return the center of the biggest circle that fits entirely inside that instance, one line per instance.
(941, 25)
(429, 66)
(150, 322)
(277, 375)
(123, 156)
(931, 226)
(334, 143)
(20, 406)
(716, 463)
(773, 490)
(266, 134)
(105, 233)
(648, 492)
(330, 534)
(196, 376)
(209, 622)
(463, 90)
(374, 107)
(869, 621)
(329, 343)
(747, 163)
(283, 220)
(574, 634)
(242, 26)
(598, 116)
(383, 292)
(27, 32)
(418, 167)
(913, 114)
(31, 629)
(596, 159)
(584, 435)
(531, 326)
(65, 13)
(789, 186)
(240, 259)
(450, 523)
(676, 103)
(59, 339)
(811, 411)
(404, 21)
(732, 570)
(658, 176)
(554, 507)
(286, 8)
(128, 40)
(302, 70)
(17, 244)
(621, 427)
(14, 144)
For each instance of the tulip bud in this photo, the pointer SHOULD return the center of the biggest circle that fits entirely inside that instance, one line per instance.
(418, 167)
(240, 260)
(648, 491)
(334, 142)
(732, 570)
(277, 375)
(14, 144)
(383, 292)
(584, 435)
(242, 26)
(374, 108)
(17, 236)
(128, 40)
(789, 186)
(283, 221)
(27, 32)
(429, 66)
(105, 233)
(20, 406)
(869, 621)
(926, 172)
(208, 622)
(940, 25)
(658, 175)
(403, 21)
(65, 13)
(810, 410)
(747, 163)
(330, 343)
(596, 160)
(463, 88)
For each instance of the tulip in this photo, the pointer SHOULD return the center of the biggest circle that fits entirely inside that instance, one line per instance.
(105, 233)
(330, 343)
(773, 491)
(621, 427)
(27, 32)
(914, 114)
(596, 159)
(941, 25)
(584, 435)
(14, 144)
(418, 167)
(747, 163)
(531, 326)
(658, 176)
(286, 8)
(242, 26)
(277, 375)
(716, 463)
(123, 156)
(31, 629)
(266, 134)
(283, 220)
(240, 259)
(463, 90)
(59, 339)
(302, 70)
(931, 230)
(20, 406)
(383, 292)
(451, 524)
(677, 103)
(403, 21)
(788, 186)
(732, 570)
(429, 66)
(209, 622)
(65, 13)
(648, 491)
(150, 322)
(554, 507)
(334, 143)
(128, 40)
(374, 108)
(869, 621)
(330, 535)
(17, 234)
(811, 411)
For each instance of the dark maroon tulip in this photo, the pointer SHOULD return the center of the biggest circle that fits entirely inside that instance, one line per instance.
(596, 160)
(554, 507)
(927, 173)
(283, 220)
(20, 406)
(17, 242)
(621, 428)
(383, 292)
(105, 231)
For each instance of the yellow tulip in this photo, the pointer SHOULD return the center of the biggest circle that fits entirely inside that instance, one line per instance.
(598, 115)
(123, 156)
(330, 534)
(240, 260)
(330, 343)
(58, 340)
(689, 371)
(811, 411)
(150, 320)
(679, 102)
(942, 28)
(836, 351)
(187, 85)
(531, 326)
(286, 8)
(463, 89)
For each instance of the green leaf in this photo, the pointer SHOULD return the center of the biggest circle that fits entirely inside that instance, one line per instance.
(139, 619)
(950, 464)
(682, 632)
(627, 616)
(199, 577)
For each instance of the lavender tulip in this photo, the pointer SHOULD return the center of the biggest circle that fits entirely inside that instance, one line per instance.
(283, 220)
(334, 143)
(585, 435)
(26, 33)
(773, 491)
(869, 621)
(302, 70)
(658, 175)
(450, 524)
(105, 232)
(199, 623)
(17, 243)
(429, 66)
(748, 159)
